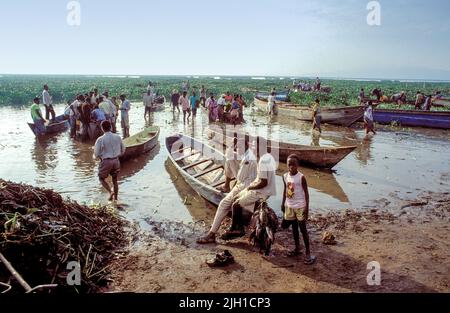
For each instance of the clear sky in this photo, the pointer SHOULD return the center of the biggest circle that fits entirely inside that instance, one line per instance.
(232, 37)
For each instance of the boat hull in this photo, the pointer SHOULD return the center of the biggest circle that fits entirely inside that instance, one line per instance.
(133, 149)
(316, 157)
(61, 125)
(345, 116)
(209, 193)
(429, 119)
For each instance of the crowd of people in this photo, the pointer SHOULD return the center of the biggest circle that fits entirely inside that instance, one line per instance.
(228, 108)
(421, 102)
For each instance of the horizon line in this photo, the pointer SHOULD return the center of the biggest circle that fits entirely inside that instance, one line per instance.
(291, 77)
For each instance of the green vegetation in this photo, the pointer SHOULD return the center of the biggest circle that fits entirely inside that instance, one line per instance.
(345, 92)
(18, 90)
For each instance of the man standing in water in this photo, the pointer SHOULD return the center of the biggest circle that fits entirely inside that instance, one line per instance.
(175, 98)
(368, 118)
(38, 120)
(108, 148)
(48, 103)
(148, 103)
(125, 108)
(316, 116)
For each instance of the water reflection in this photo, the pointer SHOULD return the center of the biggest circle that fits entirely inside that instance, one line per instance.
(133, 166)
(198, 208)
(83, 158)
(363, 154)
(315, 139)
(323, 181)
(45, 154)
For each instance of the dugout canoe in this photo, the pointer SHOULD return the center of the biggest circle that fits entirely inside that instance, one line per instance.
(140, 143)
(279, 95)
(413, 118)
(342, 116)
(61, 124)
(311, 156)
(201, 166)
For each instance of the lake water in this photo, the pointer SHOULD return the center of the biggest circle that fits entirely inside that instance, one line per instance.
(394, 163)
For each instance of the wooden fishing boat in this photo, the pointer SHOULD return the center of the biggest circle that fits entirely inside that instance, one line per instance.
(441, 103)
(343, 116)
(61, 124)
(415, 118)
(140, 143)
(160, 100)
(201, 166)
(318, 157)
(279, 95)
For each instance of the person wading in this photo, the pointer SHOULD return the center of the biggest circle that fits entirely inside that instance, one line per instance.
(48, 103)
(368, 118)
(108, 148)
(38, 120)
(148, 103)
(184, 102)
(125, 119)
(317, 116)
(175, 98)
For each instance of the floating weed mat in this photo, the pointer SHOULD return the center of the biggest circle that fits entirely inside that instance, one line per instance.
(40, 234)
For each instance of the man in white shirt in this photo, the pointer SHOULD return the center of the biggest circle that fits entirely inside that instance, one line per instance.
(94, 97)
(262, 188)
(112, 110)
(246, 175)
(74, 115)
(271, 104)
(108, 148)
(48, 103)
(148, 103)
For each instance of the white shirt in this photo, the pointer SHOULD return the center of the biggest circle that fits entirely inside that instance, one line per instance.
(266, 170)
(295, 194)
(46, 98)
(271, 100)
(112, 107)
(221, 101)
(94, 99)
(247, 169)
(106, 107)
(148, 100)
(109, 146)
(368, 113)
(75, 109)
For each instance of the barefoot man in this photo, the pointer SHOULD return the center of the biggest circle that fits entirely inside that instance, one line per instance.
(246, 175)
(108, 148)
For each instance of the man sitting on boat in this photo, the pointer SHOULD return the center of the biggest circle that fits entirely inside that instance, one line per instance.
(38, 119)
(262, 188)
(245, 176)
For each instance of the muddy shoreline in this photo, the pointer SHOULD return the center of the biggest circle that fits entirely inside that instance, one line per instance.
(412, 247)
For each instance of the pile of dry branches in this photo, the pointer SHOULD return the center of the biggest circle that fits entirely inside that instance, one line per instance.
(40, 233)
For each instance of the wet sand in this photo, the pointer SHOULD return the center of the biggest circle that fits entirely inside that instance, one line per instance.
(411, 247)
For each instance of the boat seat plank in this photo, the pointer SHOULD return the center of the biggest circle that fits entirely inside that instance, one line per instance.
(187, 156)
(196, 163)
(215, 185)
(208, 171)
(182, 149)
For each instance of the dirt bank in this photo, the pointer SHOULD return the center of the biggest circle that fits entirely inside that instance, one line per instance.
(412, 247)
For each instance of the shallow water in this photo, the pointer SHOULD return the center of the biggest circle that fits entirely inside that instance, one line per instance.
(394, 163)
